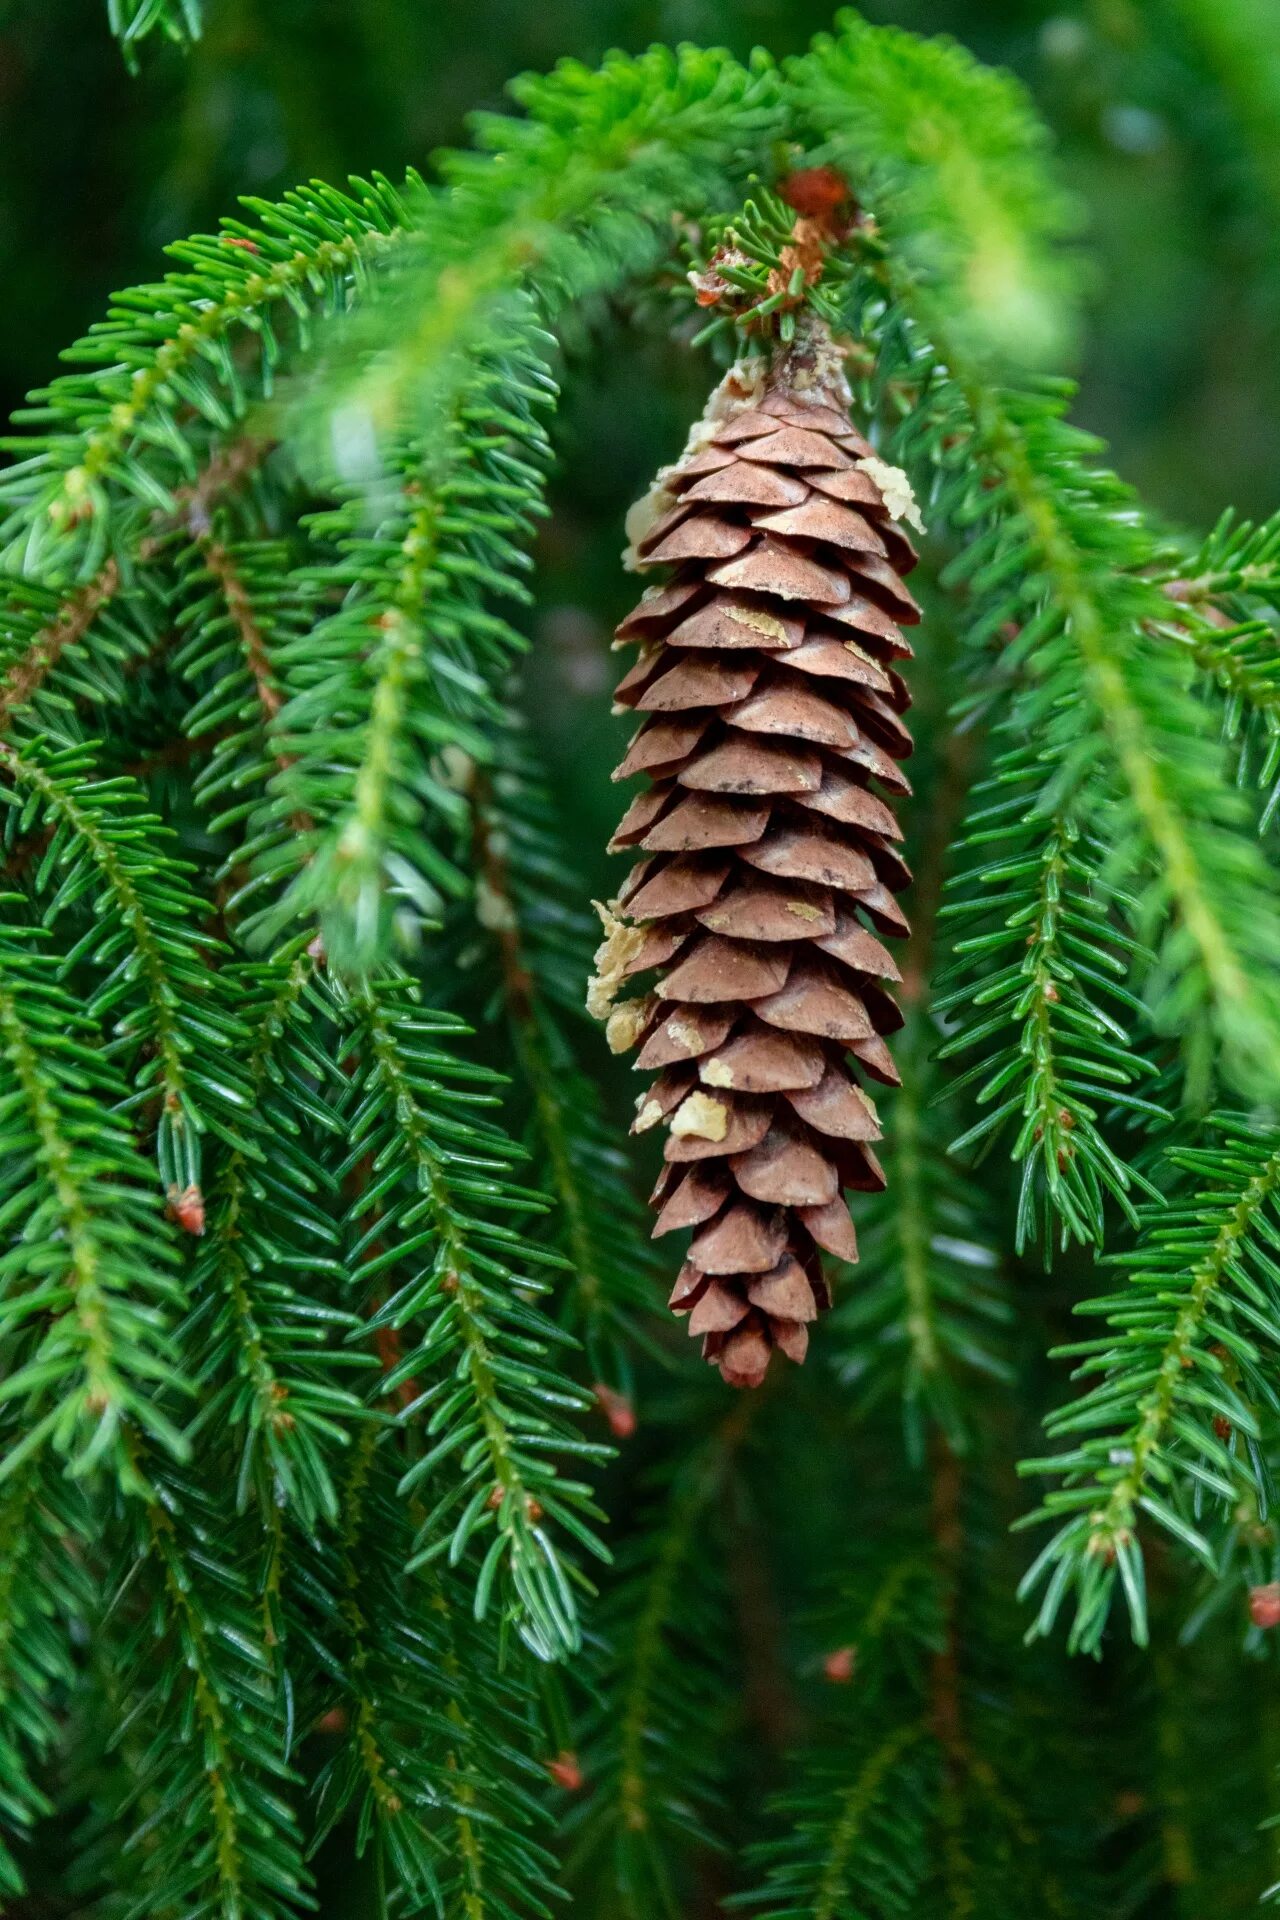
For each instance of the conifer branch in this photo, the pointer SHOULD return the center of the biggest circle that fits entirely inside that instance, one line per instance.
(904, 1798)
(231, 470)
(42, 1587)
(367, 1764)
(76, 648)
(952, 160)
(229, 581)
(1240, 660)
(569, 201)
(86, 644)
(183, 1589)
(108, 457)
(365, 738)
(653, 1748)
(857, 1824)
(528, 905)
(88, 1287)
(481, 1352)
(924, 1313)
(239, 610)
(635, 1785)
(1053, 1020)
(497, 1808)
(105, 848)
(1181, 811)
(65, 808)
(1172, 1422)
(65, 628)
(269, 1336)
(1238, 563)
(1241, 663)
(430, 1759)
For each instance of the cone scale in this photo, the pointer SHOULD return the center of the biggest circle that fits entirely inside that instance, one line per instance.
(744, 958)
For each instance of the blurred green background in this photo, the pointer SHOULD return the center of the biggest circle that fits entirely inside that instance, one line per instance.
(1165, 114)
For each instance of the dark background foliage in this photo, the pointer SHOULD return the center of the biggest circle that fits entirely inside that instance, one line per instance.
(1164, 113)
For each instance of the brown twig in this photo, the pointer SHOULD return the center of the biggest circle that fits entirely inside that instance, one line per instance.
(23, 852)
(769, 1702)
(220, 565)
(228, 469)
(948, 1539)
(387, 1343)
(503, 924)
(225, 473)
(70, 624)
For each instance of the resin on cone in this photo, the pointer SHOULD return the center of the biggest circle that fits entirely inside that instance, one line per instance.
(743, 956)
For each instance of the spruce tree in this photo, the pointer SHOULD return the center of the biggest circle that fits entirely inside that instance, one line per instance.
(372, 1540)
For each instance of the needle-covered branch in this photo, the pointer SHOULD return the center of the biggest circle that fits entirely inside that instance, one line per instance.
(88, 1291)
(442, 1261)
(1182, 1381)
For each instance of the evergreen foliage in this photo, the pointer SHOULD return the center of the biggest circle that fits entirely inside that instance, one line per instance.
(132, 20)
(1173, 1427)
(927, 1312)
(854, 1832)
(90, 1290)
(325, 1276)
(527, 924)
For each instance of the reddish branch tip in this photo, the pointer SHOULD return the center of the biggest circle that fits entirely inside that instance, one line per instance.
(817, 192)
(186, 1206)
(565, 1771)
(617, 1410)
(1264, 1605)
(839, 1665)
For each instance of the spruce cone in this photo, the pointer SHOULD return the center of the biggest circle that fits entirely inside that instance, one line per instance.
(772, 707)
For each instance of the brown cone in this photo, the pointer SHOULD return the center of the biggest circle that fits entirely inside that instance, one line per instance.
(769, 714)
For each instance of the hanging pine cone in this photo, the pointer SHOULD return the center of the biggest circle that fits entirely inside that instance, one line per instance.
(772, 707)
